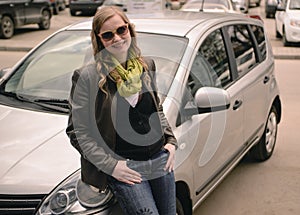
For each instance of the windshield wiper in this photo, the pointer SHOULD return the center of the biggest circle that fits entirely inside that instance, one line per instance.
(60, 105)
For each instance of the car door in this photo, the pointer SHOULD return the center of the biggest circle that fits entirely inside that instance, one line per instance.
(17, 9)
(213, 134)
(254, 75)
(33, 11)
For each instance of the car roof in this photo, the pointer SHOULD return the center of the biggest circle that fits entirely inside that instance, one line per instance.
(177, 23)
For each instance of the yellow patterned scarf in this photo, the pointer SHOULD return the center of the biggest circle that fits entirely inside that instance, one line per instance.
(128, 80)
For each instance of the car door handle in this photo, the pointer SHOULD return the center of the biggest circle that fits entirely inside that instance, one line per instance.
(237, 104)
(266, 79)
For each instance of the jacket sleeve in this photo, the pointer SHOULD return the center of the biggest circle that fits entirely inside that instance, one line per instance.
(168, 133)
(82, 129)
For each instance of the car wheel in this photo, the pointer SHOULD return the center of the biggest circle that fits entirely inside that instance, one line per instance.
(183, 206)
(179, 208)
(263, 150)
(45, 22)
(7, 27)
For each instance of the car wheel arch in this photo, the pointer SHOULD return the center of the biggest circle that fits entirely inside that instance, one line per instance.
(264, 148)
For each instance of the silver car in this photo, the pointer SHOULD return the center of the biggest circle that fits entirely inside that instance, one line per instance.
(217, 84)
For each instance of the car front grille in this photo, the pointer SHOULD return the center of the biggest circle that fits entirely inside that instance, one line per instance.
(19, 204)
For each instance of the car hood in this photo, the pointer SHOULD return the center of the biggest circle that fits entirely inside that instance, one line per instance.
(35, 152)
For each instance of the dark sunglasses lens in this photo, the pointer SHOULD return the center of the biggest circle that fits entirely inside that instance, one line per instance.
(121, 30)
(107, 35)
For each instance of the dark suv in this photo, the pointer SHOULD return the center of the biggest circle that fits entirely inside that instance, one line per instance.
(14, 14)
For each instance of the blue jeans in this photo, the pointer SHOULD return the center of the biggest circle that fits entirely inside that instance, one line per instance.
(155, 195)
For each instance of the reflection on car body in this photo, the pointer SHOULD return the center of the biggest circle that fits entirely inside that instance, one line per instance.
(216, 81)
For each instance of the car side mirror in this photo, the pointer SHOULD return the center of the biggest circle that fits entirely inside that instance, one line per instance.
(211, 99)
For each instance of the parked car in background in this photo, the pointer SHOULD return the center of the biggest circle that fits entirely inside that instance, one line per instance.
(58, 5)
(287, 21)
(241, 5)
(209, 6)
(216, 82)
(256, 3)
(14, 14)
(85, 7)
(270, 8)
(119, 3)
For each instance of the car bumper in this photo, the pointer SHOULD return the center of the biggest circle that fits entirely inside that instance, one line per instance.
(292, 34)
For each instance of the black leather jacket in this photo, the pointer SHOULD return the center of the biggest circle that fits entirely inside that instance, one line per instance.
(91, 128)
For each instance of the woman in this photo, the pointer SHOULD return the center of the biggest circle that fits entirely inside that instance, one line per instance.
(117, 124)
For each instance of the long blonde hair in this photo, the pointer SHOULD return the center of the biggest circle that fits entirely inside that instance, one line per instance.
(101, 55)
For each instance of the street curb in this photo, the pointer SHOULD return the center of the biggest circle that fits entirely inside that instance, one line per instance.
(15, 49)
(27, 49)
(286, 57)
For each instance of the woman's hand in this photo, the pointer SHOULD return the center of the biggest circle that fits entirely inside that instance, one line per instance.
(171, 160)
(125, 174)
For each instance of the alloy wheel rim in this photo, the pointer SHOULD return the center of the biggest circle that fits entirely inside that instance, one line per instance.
(271, 132)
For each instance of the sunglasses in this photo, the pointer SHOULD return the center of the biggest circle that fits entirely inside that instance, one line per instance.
(109, 35)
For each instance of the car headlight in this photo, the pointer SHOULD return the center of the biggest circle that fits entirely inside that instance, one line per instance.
(73, 196)
(295, 23)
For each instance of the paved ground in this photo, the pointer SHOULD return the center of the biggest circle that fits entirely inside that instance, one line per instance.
(29, 36)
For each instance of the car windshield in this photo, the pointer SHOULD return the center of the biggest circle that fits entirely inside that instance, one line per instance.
(45, 75)
(294, 5)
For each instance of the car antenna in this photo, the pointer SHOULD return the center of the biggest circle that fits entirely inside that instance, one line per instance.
(202, 6)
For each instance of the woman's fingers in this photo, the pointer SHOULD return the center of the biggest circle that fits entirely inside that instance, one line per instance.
(125, 174)
(171, 160)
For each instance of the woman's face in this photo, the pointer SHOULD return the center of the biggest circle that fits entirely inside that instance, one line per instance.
(115, 36)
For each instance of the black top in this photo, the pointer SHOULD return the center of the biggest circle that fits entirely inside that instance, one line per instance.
(138, 128)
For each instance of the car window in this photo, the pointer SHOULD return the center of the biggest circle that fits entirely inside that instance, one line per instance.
(294, 5)
(210, 68)
(243, 48)
(261, 40)
(167, 52)
(215, 60)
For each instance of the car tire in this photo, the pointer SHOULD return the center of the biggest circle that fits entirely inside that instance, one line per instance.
(7, 27)
(55, 9)
(45, 22)
(73, 12)
(263, 150)
(278, 35)
(183, 206)
(179, 208)
(284, 40)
